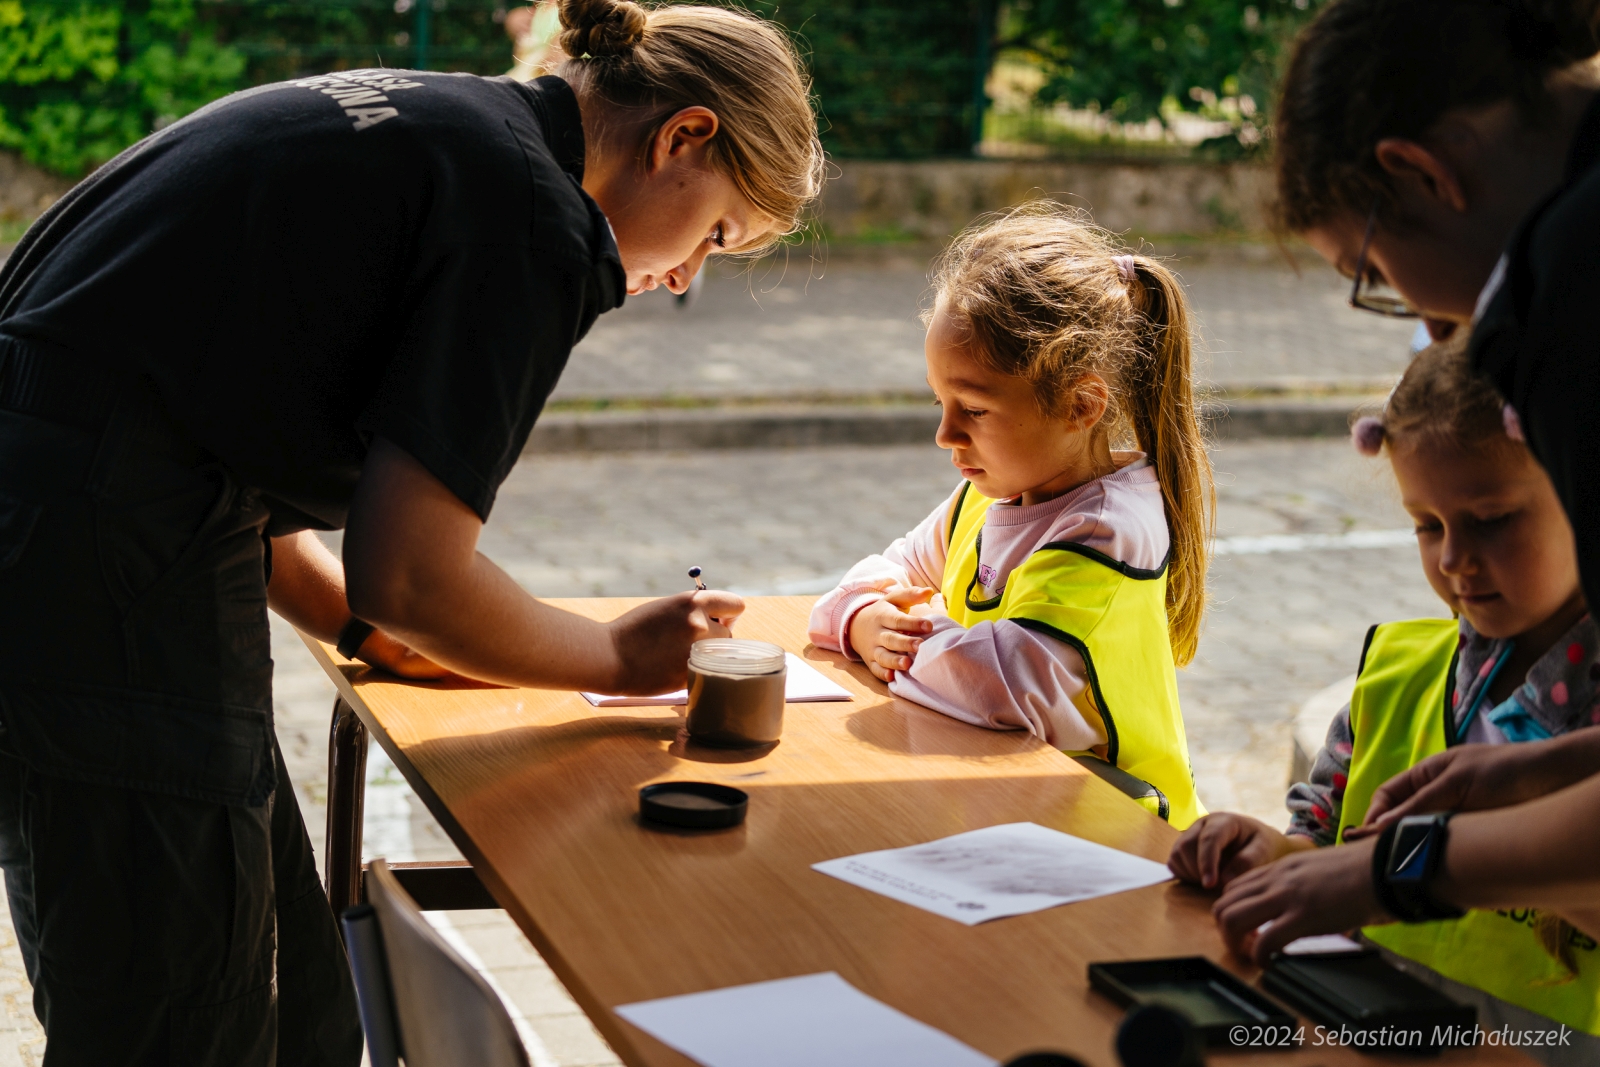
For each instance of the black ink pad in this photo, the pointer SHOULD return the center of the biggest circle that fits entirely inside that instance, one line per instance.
(693, 805)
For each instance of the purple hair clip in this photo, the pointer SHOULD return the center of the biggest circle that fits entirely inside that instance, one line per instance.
(1513, 425)
(1367, 435)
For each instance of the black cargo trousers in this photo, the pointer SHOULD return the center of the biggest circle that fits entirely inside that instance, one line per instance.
(161, 882)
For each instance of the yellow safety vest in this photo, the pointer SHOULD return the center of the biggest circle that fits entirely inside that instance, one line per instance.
(1116, 617)
(1401, 713)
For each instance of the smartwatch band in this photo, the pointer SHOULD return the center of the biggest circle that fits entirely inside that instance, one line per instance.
(353, 636)
(1404, 883)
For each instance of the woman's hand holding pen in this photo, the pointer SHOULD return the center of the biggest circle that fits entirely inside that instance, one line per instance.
(886, 635)
(652, 641)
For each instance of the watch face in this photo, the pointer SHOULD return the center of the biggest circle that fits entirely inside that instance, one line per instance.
(1408, 860)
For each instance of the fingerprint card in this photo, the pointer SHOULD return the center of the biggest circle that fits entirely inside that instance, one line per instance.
(1013, 869)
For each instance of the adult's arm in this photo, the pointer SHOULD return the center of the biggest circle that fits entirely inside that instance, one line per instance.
(1543, 854)
(413, 569)
(307, 588)
(1478, 777)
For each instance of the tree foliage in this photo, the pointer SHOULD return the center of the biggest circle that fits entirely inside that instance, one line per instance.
(1133, 57)
(80, 81)
(894, 78)
(283, 39)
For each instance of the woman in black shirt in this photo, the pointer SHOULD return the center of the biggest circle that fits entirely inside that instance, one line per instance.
(337, 302)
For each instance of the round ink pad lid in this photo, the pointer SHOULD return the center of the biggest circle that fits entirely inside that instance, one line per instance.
(693, 805)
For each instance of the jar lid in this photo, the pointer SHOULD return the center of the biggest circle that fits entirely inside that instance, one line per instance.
(732, 655)
(694, 805)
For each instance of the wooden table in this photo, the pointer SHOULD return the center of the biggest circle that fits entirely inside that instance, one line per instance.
(540, 791)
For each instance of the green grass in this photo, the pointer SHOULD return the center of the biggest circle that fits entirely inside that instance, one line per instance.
(1040, 128)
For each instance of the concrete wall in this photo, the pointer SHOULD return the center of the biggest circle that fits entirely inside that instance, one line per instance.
(931, 201)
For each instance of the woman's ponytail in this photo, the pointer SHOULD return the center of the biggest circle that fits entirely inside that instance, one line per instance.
(1160, 405)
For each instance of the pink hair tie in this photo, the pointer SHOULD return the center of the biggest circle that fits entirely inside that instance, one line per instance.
(1124, 267)
(1367, 435)
(1513, 425)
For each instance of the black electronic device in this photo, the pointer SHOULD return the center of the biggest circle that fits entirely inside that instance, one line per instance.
(693, 805)
(1363, 993)
(1211, 999)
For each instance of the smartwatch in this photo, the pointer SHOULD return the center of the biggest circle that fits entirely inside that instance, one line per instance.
(353, 636)
(1404, 864)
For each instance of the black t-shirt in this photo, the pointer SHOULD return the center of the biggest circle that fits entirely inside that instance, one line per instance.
(1538, 339)
(301, 266)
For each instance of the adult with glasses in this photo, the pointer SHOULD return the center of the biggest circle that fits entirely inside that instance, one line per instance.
(1445, 154)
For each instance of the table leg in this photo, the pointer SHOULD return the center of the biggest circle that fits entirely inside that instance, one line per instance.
(347, 785)
(434, 886)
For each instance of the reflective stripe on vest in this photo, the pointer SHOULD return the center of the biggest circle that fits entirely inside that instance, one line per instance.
(1400, 714)
(1116, 617)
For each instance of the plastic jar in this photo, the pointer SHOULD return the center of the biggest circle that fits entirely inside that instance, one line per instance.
(736, 692)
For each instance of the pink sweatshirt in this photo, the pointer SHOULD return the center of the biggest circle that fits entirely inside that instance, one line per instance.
(998, 674)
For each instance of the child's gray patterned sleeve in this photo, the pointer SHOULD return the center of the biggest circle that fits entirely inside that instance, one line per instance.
(1315, 806)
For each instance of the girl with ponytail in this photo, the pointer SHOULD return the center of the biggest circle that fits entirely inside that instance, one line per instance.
(1059, 585)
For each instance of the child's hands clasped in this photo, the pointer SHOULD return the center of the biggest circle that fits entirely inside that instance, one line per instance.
(886, 635)
(1220, 847)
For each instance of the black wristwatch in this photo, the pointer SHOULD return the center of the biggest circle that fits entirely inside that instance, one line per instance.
(1404, 864)
(353, 636)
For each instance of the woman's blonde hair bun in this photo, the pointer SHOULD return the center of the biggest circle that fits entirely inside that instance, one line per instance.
(600, 27)
(635, 65)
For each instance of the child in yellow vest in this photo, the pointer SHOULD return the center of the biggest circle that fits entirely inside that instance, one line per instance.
(1520, 663)
(1057, 586)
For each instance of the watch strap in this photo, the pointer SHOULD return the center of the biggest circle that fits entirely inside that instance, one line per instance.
(1411, 899)
(1381, 888)
(353, 636)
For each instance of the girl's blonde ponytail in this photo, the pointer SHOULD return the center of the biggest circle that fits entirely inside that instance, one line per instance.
(1160, 406)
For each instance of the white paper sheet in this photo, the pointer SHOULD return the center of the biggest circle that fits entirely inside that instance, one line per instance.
(997, 871)
(816, 1020)
(804, 684)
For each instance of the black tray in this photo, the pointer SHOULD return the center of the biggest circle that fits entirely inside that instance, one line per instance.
(1363, 993)
(1212, 999)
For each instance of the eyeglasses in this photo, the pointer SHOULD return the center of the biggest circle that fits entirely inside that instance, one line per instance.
(1377, 297)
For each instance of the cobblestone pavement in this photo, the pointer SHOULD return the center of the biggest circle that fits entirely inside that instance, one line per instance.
(1282, 625)
(849, 327)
